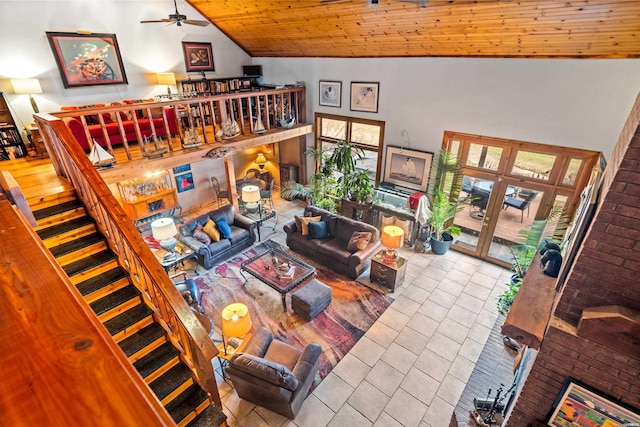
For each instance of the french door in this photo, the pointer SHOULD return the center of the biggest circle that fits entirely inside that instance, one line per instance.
(506, 185)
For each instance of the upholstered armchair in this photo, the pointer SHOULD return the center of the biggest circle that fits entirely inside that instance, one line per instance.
(273, 374)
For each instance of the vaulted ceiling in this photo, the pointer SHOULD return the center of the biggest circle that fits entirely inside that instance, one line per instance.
(396, 28)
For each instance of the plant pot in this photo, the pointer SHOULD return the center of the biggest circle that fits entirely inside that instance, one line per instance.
(515, 277)
(440, 247)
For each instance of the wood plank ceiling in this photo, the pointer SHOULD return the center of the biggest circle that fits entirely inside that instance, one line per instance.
(395, 28)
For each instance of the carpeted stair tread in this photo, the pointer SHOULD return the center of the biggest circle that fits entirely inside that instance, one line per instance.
(156, 359)
(89, 262)
(186, 402)
(171, 380)
(212, 416)
(98, 282)
(114, 299)
(128, 318)
(74, 245)
(64, 227)
(141, 339)
(57, 209)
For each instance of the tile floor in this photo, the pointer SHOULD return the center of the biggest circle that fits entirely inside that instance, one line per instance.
(412, 365)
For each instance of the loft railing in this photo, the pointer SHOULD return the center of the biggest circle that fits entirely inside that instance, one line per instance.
(147, 275)
(195, 119)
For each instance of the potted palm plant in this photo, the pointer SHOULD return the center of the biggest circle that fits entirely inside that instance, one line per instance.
(441, 214)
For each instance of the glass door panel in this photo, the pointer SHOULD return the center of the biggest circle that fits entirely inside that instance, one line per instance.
(474, 218)
(518, 210)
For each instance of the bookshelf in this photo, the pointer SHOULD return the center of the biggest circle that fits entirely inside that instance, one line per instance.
(11, 143)
(219, 86)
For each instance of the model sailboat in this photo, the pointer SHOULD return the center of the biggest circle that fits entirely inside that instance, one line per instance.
(99, 157)
(258, 127)
(230, 129)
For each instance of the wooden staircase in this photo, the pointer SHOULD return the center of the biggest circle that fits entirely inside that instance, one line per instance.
(72, 237)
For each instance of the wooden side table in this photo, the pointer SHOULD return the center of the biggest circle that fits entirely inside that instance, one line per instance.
(387, 275)
(36, 139)
(225, 357)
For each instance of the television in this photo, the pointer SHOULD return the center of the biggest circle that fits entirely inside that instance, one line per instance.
(252, 70)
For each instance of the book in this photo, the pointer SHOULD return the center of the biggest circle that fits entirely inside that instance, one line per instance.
(288, 274)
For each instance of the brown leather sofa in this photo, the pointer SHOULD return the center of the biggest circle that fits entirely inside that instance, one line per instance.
(273, 374)
(332, 251)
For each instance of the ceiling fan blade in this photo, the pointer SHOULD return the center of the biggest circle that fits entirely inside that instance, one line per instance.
(196, 22)
(157, 20)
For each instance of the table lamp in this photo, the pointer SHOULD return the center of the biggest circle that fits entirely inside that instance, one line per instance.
(236, 321)
(167, 79)
(251, 197)
(261, 160)
(27, 86)
(392, 238)
(164, 230)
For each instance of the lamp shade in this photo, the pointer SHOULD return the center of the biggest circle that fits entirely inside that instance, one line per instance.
(392, 236)
(166, 78)
(28, 86)
(261, 160)
(163, 228)
(250, 193)
(236, 320)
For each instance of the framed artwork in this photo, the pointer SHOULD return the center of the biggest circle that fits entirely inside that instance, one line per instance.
(87, 59)
(330, 93)
(580, 405)
(407, 168)
(364, 96)
(180, 169)
(184, 182)
(198, 56)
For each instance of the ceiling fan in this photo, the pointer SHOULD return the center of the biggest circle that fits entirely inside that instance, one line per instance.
(178, 19)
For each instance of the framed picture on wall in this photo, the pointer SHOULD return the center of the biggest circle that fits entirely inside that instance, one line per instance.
(407, 168)
(198, 56)
(330, 93)
(184, 182)
(87, 59)
(364, 96)
(181, 169)
(580, 405)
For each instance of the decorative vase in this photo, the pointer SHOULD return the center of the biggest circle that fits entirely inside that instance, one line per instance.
(440, 247)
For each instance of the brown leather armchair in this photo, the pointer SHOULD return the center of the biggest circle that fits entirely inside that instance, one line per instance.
(273, 374)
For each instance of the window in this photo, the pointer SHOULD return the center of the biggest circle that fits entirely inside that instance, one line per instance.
(365, 134)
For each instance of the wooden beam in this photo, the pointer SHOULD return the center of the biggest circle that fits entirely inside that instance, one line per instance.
(613, 326)
(529, 315)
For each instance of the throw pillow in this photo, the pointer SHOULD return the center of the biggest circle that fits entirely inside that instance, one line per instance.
(224, 228)
(304, 222)
(319, 230)
(211, 230)
(359, 240)
(200, 235)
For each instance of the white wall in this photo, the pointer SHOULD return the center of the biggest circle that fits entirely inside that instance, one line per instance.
(145, 48)
(574, 103)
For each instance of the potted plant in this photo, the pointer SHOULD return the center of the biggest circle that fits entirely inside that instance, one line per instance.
(505, 300)
(360, 186)
(442, 212)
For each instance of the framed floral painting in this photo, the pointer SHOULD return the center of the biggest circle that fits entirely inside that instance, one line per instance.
(87, 59)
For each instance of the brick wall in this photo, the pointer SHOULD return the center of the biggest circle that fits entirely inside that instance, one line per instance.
(565, 355)
(607, 268)
(606, 271)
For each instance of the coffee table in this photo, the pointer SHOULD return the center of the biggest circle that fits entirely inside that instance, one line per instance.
(265, 267)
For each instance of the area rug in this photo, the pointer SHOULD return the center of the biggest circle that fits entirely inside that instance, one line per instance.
(353, 309)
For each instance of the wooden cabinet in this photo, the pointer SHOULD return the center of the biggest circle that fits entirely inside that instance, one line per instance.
(148, 195)
(358, 211)
(387, 275)
(11, 143)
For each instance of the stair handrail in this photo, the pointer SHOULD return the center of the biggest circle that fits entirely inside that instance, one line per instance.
(170, 308)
